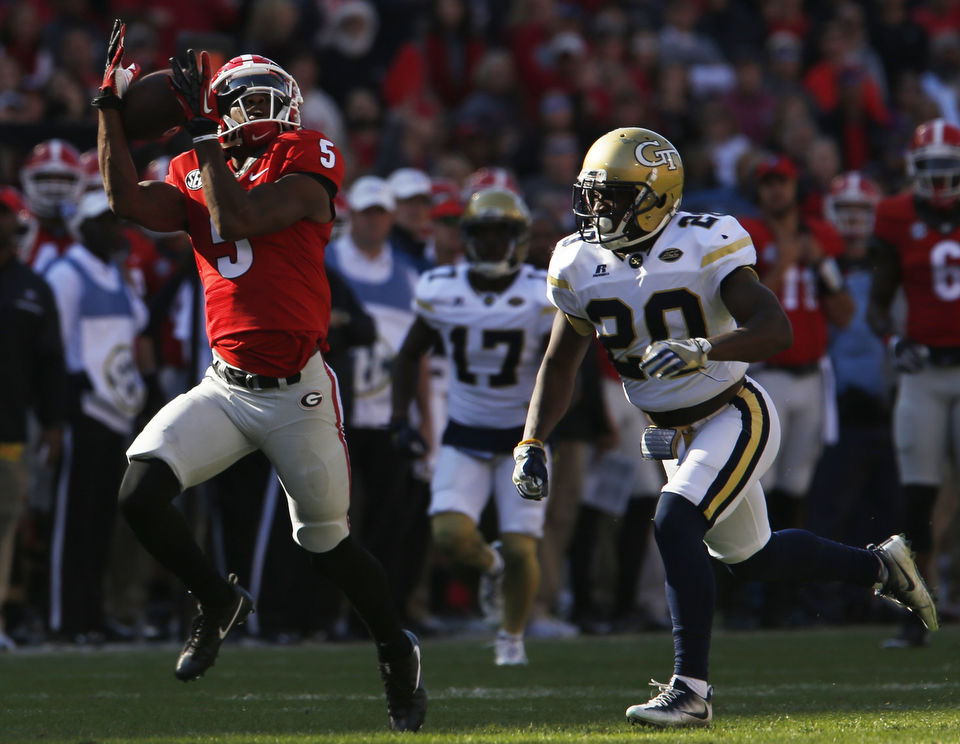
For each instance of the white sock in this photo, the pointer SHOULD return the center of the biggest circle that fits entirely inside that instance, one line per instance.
(498, 564)
(699, 686)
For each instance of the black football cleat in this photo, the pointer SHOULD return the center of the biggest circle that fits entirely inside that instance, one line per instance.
(210, 627)
(406, 695)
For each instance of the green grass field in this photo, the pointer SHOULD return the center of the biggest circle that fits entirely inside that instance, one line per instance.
(810, 686)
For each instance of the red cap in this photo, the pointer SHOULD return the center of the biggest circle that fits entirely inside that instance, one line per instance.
(446, 208)
(12, 199)
(777, 165)
(446, 199)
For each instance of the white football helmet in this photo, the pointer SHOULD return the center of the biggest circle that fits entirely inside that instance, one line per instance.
(851, 205)
(53, 179)
(238, 83)
(933, 162)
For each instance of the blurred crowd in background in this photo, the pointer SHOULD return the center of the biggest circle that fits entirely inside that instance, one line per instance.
(439, 98)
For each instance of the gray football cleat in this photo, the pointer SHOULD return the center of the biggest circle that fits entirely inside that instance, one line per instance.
(675, 706)
(904, 584)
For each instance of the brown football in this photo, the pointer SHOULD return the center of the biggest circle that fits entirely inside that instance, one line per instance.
(150, 107)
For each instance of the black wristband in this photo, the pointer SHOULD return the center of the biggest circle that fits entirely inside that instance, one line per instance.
(107, 100)
(200, 125)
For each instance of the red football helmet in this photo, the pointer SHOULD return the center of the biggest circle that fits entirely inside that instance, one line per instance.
(242, 85)
(851, 205)
(933, 162)
(493, 177)
(53, 179)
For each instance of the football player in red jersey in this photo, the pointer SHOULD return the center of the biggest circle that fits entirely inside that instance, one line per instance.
(916, 246)
(796, 258)
(259, 220)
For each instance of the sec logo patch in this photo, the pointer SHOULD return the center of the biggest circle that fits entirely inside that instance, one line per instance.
(193, 180)
(310, 400)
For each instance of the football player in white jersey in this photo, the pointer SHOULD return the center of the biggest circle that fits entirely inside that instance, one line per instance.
(674, 299)
(493, 318)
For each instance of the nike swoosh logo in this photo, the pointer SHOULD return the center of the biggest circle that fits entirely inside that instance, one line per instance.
(906, 577)
(206, 108)
(702, 715)
(222, 632)
(257, 175)
(416, 650)
(258, 137)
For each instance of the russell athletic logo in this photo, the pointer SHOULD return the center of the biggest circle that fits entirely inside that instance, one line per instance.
(310, 400)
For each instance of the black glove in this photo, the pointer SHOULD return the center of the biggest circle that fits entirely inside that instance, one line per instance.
(116, 77)
(190, 82)
(407, 440)
(530, 472)
(907, 356)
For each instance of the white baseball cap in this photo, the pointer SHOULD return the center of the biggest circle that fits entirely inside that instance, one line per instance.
(370, 191)
(409, 182)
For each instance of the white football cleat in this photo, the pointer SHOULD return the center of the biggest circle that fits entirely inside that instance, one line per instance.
(508, 650)
(676, 705)
(904, 584)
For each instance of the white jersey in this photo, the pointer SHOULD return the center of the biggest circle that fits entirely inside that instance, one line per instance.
(671, 292)
(494, 342)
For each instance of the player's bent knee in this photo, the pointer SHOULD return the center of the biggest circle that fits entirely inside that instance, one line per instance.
(451, 532)
(145, 484)
(321, 537)
(677, 520)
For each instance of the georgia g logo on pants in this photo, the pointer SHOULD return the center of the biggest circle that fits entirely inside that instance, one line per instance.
(310, 400)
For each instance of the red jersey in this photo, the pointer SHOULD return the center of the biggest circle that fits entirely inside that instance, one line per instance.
(267, 297)
(929, 270)
(47, 247)
(798, 292)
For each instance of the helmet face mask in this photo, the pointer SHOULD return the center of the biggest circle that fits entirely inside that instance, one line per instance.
(496, 232)
(258, 100)
(629, 188)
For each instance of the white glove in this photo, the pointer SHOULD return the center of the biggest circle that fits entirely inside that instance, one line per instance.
(665, 360)
(530, 472)
(908, 356)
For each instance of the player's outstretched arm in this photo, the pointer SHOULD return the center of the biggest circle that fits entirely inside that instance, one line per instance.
(764, 328)
(157, 206)
(558, 371)
(153, 204)
(408, 376)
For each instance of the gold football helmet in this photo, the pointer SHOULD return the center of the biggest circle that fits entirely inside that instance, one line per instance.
(628, 189)
(496, 232)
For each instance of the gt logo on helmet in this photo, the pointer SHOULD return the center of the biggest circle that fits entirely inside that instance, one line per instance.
(663, 156)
